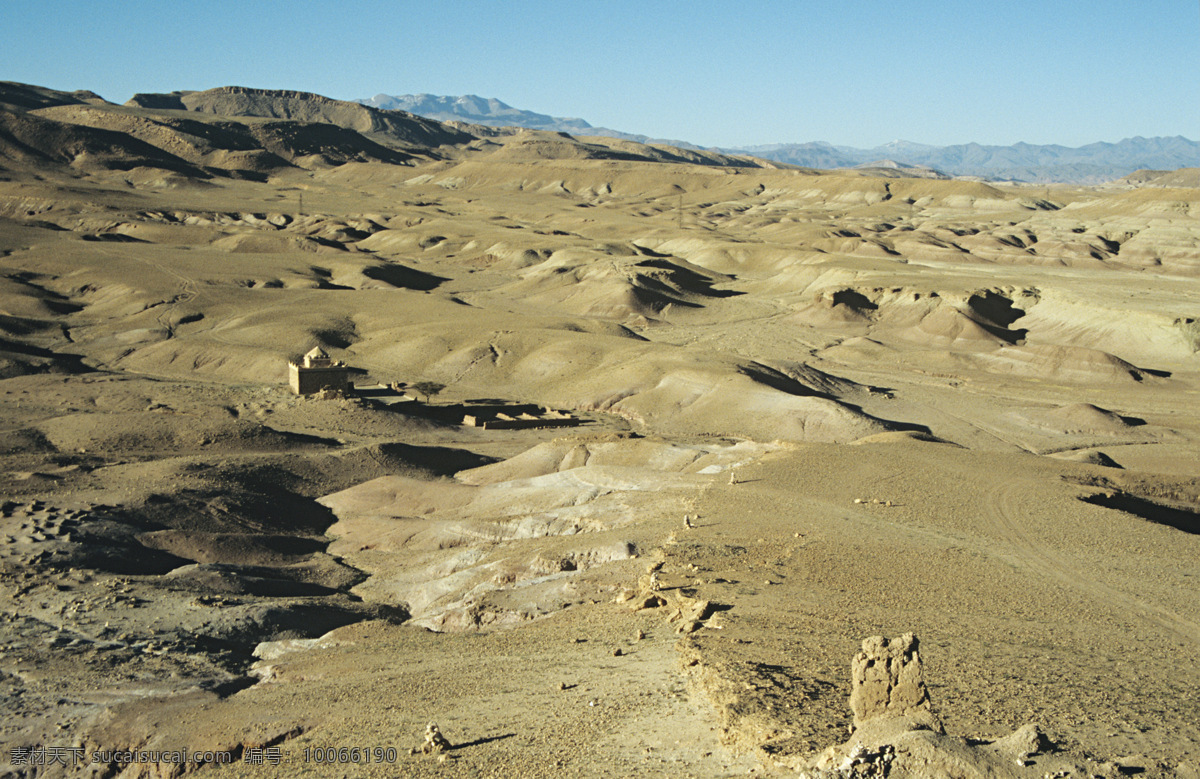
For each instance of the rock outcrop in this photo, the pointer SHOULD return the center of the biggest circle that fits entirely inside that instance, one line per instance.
(897, 734)
(888, 683)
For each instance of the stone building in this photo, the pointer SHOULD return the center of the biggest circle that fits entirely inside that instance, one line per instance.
(318, 372)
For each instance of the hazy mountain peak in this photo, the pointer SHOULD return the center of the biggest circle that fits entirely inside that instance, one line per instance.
(476, 110)
(496, 113)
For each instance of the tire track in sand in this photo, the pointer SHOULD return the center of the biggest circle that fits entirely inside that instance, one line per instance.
(1005, 505)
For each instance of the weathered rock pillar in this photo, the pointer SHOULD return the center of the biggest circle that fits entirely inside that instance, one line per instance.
(887, 681)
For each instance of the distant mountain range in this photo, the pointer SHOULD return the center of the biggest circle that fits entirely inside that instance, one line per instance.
(190, 134)
(244, 133)
(1090, 164)
(492, 112)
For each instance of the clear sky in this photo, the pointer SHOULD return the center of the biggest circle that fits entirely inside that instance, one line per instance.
(853, 72)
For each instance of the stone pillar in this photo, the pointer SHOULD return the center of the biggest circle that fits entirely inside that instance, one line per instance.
(887, 681)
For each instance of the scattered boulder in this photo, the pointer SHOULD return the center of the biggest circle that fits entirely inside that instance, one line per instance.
(648, 600)
(1022, 744)
(435, 742)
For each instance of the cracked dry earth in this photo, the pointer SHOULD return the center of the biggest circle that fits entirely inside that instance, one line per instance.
(814, 408)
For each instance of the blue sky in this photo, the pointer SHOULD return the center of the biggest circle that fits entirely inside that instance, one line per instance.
(854, 72)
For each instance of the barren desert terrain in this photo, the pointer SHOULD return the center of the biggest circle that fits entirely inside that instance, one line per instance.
(810, 407)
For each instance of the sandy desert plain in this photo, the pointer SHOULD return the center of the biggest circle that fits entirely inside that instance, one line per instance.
(814, 407)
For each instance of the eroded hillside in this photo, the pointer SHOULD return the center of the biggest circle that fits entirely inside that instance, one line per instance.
(809, 408)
